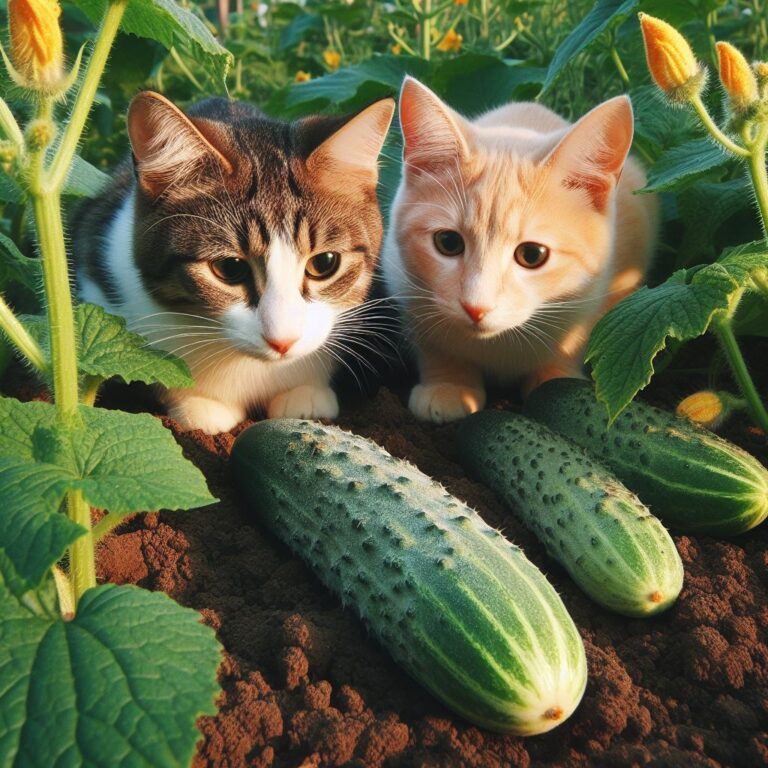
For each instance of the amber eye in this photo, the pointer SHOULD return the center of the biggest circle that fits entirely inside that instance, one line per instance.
(449, 242)
(322, 265)
(531, 255)
(231, 270)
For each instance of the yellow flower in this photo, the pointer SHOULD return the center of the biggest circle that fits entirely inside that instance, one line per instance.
(461, 2)
(670, 59)
(332, 59)
(451, 42)
(37, 48)
(396, 49)
(302, 76)
(737, 76)
(706, 408)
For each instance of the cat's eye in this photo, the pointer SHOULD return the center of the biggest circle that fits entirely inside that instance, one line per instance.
(231, 270)
(323, 265)
(449, 242)
(531, 255)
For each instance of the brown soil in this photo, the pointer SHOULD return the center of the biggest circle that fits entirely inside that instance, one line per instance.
(304, 685)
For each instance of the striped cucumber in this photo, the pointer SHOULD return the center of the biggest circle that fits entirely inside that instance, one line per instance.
(612, 546)
(456, 605)
(691, 479)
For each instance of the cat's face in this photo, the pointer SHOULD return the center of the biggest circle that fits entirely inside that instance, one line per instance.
(489, 235)
(270, 230)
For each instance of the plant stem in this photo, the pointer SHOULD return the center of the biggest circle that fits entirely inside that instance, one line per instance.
(64, 590)
(91, 389)
(758, 172)
(619, 65)
(724, 330)
(107, 523)
(82, 563)
(714, 131)
(426, 28)
(110, 24)
(19, 336)
(10, 127)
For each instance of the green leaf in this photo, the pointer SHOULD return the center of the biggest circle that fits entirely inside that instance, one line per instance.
(660, 125)
(604, 15)
(123, 462)
(15, 267)
(171, 25)
(294, 33)
(122, 684)
(84, 179)
(108, 349)
(10, 192)
(680, 166)
(625, 341)
(33, 533)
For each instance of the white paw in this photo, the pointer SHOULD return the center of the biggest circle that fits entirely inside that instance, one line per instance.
(210, 416)
(441, 403)
(305, 402)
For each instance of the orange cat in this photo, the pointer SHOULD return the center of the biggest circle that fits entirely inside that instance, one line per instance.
(510, 236)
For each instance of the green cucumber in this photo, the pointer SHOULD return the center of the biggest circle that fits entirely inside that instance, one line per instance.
(611, 545)
(690, 478)
(457, 606)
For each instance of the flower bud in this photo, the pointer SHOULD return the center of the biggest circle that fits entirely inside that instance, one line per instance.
(671, 61)
(737, 77)
(451, 42)
(39, 134)
(332, 59)
(37, 48)
(8, 154)
(706, 407)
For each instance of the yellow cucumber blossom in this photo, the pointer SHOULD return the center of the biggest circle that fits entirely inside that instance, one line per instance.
(737, 77)
(332, 59)
(707, 408)
(451, 42)
(671, 61)
(302, 77)
(37, 47)
(396, 49)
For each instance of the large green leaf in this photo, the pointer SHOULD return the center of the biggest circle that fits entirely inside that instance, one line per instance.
(15, 267)
(604, 15)
(625, 342)
(123, 462)
(33, 533)
(84, 179)
(108, 349)
(680, 166)
(171, 25)
(660, 125)
(122, 684)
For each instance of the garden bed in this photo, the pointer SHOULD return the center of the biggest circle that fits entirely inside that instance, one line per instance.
(304, 685)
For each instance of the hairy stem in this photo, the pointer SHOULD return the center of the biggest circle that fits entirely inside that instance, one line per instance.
(426, 29)
(619, 65)
(9, 126)
(82, 562)
(724, 331)
(110, 24)
(714, 131)
(758, 173)
(19, 336)
(106, 525)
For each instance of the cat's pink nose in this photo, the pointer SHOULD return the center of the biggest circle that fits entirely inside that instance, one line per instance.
(475, 313)
(281, 346)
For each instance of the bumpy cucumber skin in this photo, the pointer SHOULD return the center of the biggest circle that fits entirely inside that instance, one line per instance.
(693, 480)
(611, 545)
(457, 605)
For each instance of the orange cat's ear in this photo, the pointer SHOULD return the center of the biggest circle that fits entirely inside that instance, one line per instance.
(434, 136)
(168, 147)
(352, 150)
(591, 155)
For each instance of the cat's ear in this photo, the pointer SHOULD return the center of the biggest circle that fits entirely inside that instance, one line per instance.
(591, 155)
(434, 136)
(350, 152)
(168, 147)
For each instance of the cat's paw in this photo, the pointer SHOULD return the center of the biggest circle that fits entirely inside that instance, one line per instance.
(305, 402)
(210, 416)
(441, 403)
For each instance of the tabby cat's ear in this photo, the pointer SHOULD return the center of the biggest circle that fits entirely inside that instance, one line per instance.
(591, 155)
(434, 136)
(169, 148)
(347, 149)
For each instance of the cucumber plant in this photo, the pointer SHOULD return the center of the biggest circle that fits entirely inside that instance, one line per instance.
(98, 674)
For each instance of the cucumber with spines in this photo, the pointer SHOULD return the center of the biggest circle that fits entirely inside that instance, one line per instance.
(693, 480)
(457, 605)
(601, 533)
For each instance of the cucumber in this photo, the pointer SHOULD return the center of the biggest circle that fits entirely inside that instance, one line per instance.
(693, 480)
(457, 606)
(609, 543)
